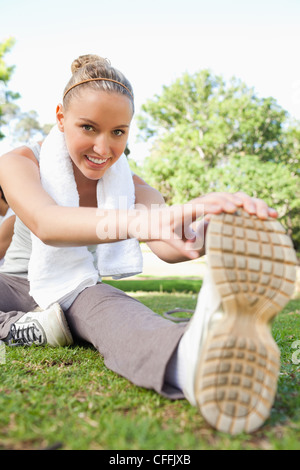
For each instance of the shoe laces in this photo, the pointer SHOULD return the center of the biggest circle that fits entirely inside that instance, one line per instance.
(25, 335)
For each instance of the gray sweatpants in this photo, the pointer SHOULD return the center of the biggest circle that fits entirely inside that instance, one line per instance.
(134, 341)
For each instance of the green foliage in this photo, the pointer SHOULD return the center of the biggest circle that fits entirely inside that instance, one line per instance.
(7, 97)
(211, 136)
(212, 120)
(5, 71)
(161, 285)
(20, 126)
(27, 126)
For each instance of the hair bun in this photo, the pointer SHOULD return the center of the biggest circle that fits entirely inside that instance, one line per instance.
(86, 59)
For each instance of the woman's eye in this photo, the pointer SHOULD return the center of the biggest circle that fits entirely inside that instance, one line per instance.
(87, 127)
(118, 132)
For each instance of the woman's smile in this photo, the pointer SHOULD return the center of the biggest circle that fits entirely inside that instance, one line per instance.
(97, 162)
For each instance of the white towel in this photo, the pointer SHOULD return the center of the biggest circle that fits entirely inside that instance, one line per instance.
(59, 274)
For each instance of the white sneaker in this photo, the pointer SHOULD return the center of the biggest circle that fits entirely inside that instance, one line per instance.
(232, 360)
(41, 327)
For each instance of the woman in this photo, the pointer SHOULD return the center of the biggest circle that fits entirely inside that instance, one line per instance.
(81, 214)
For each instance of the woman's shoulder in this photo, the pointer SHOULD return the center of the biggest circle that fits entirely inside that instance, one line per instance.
(31, 150)
(35, 148)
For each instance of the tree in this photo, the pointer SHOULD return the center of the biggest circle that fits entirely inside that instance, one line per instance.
(211, 136)
(19, 125)
(291, 147)
(270, 181)
(27, 127)
(7, 97)
(211, 120)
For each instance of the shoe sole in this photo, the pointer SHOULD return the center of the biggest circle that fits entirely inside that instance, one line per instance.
(253, 265)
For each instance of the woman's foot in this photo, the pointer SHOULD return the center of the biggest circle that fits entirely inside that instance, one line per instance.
(232, 361)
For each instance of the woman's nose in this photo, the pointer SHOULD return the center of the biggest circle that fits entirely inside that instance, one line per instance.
(101, 146)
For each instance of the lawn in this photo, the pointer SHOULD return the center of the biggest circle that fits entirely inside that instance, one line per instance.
(65, 398)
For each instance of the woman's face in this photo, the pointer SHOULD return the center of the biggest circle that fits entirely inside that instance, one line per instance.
(96, 126)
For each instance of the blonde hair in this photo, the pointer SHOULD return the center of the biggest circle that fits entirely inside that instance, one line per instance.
(97, 73)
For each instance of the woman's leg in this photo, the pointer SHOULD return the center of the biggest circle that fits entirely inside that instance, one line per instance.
(22, 328)
(14, 301)
(134, 341)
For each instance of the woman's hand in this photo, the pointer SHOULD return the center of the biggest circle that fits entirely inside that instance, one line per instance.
(175, 225)
(215, 203)
(256, 206)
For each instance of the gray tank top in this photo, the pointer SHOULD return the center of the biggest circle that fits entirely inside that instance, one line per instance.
(18, 254)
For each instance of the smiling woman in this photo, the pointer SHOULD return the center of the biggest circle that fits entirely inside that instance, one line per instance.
(95, 115)
(80, 217)
(96, 128)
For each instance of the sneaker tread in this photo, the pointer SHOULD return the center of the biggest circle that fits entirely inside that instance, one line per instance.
(254, 267)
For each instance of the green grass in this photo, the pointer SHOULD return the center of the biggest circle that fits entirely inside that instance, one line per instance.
(161, 285)
(66, 397)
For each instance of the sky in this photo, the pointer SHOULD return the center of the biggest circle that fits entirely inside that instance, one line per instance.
(153, 43)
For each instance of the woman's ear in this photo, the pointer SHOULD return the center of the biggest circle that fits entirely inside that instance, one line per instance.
(60, 117)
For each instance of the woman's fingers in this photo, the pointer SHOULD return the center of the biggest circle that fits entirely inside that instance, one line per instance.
(176, 221)
(257, 206)
(215, 203)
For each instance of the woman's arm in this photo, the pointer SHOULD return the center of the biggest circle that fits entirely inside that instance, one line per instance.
(77, 226)
(147, 197)
(62, 226)
(182, 228)
(53, 224)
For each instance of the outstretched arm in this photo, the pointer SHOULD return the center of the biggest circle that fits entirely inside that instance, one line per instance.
(53, 224)
(77, 226)
(148, 198)
(181, 233)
